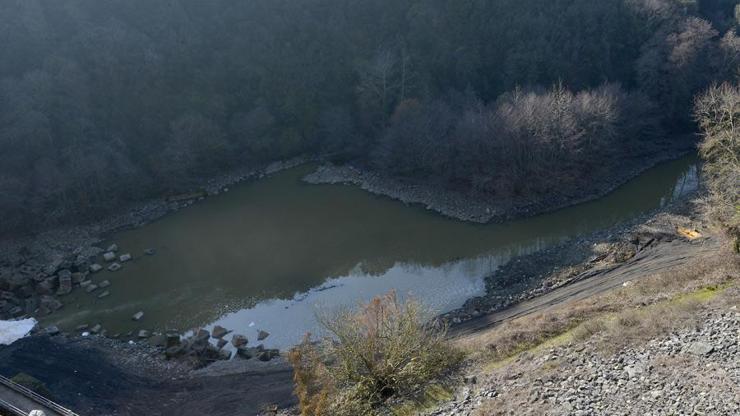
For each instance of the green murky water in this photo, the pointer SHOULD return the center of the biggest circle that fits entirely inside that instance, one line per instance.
(268, 252)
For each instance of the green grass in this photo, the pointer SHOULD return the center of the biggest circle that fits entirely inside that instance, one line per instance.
(604, 320)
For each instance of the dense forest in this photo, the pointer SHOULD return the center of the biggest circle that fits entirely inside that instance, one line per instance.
(104, 102)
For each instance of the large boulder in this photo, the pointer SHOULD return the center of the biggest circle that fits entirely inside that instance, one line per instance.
(173, 339)
(245, 353)
(65, 284)
(158, 340)
(201, 335)
(239, 340)
(219, 332)
(55, 264)
(175, 351)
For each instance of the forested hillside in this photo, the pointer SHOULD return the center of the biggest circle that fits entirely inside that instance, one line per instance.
(104, 102)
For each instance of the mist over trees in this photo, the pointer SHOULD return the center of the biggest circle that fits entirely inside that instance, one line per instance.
(108, 102)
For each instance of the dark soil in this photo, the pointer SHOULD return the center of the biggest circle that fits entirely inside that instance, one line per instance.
(101, 377)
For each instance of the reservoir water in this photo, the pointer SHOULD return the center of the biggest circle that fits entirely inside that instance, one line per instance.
(268, 254)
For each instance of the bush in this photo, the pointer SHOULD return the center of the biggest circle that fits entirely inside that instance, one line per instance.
(718, 113)
(383, 350)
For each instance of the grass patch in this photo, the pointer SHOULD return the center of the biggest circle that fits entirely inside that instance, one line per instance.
(432, 396)
(653, 306)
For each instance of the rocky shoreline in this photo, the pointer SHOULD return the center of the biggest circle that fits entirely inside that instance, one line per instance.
(475, 206)
(36, 271)
(63, 241)
(536, 274)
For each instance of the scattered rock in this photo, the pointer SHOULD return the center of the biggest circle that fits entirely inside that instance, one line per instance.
(173, 339)
(109, 256)
(202, 335)
(137, 316)
(52, 330)
(700, 348)
(95, 267)
(224, 355)
(150, 252)
(96, 329)
(105, 294)
(104, 284)
(174, 351)
(239, 340)
(245, 353)
(158, 340)
(125, 257)
(143, 334)
(221, 343)
(65, 284)
(114, 267)
(219, 332)
(91, 288)
(112, 248)
(262, 335)
(470, 380)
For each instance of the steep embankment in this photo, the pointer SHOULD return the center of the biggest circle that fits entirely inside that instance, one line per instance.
(658, 333)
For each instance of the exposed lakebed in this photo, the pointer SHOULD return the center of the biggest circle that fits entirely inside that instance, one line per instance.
(269, 253)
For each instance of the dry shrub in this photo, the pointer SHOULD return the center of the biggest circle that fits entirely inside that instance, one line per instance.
(383, 350)
(312, 383)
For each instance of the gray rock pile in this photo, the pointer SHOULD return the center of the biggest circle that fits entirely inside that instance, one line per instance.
(34, 289)
(199, 350)
(694, 372)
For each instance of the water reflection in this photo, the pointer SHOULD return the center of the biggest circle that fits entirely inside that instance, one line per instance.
(242, 257)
